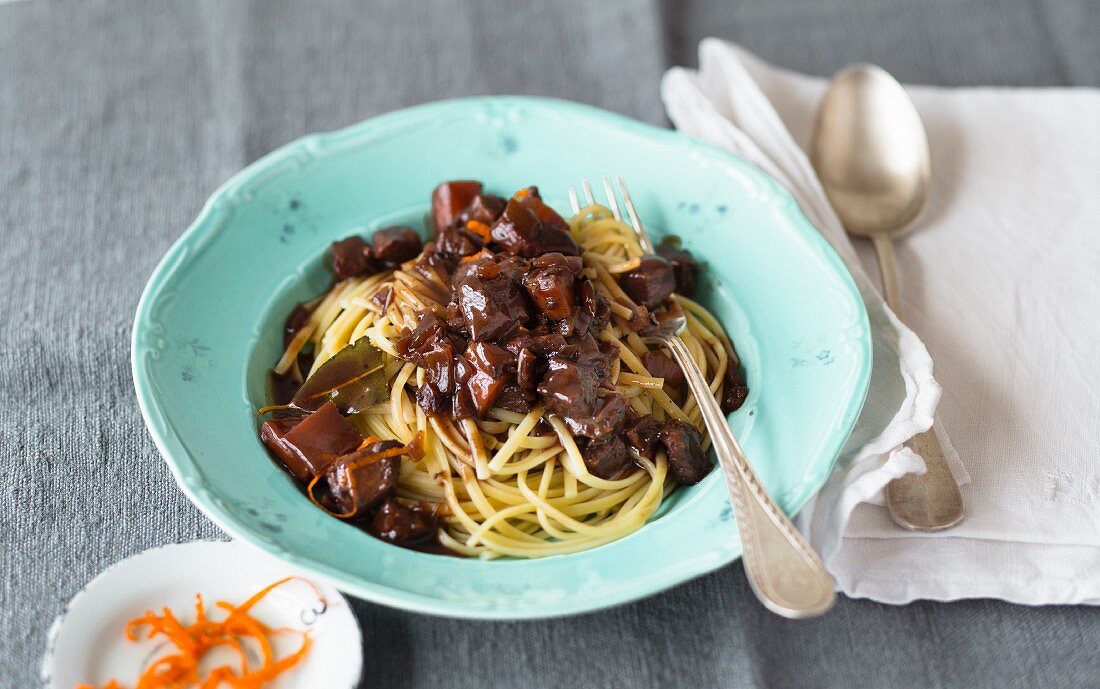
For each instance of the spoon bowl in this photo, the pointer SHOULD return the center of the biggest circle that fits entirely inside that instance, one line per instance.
(871, 152)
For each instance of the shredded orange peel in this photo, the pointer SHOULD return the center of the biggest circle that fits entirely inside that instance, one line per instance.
(475, 257)
(480, 229)
(180, 669)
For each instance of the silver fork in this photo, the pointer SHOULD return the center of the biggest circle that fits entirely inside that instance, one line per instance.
(784, 571)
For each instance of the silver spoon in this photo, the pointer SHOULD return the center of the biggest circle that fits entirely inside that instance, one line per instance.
(870, 150)
(783, 570)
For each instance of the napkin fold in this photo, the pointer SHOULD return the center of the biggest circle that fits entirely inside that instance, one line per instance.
(1002, 160)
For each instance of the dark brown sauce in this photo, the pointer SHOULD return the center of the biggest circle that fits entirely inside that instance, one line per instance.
(281, 388)
(433, 547)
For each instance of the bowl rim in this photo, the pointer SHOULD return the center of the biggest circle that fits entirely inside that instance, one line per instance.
(200, 494)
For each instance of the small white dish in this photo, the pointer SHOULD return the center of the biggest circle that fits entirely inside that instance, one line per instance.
(87, 643)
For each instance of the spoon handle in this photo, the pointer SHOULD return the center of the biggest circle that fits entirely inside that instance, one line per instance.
(919, 502)
(784, 571)
(887, 265)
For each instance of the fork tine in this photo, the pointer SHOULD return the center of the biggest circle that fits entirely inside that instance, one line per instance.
(643, 236)
(588, 192)
(613, 204)
(612, 200)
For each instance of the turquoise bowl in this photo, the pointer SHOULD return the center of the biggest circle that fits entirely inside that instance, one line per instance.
(209, 326)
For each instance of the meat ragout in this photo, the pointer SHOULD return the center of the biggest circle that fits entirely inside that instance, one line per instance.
(518, 328)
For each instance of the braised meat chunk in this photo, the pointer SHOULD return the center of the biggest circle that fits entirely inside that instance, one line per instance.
(530, 199)
(550, 283)
(521, 232)
(592, 316)
(608, 458)
(516, 399)
(307, 446)
(484, 208)
(456, 242)
(432, 400)
(433, 347)
(684, 265)
(661, 365)
(640, 320)
(351, 257)
(529, 369)
(451, 198)
(403, 525)
(650, 283)
(735, 392)
(608, 418)
(382, 298)
(686, 461)
(492, 307)
(357, 487)
(569, 388)
(642, 433)
(435, 269)
(395, 245)
(491, 368)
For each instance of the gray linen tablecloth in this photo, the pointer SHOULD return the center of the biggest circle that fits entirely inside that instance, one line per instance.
(117, 120)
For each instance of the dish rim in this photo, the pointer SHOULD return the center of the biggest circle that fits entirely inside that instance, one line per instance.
(91, 589)
(202, 496)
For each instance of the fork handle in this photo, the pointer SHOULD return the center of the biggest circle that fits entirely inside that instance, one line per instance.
(784, 571)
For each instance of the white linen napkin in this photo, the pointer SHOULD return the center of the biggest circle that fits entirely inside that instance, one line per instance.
(1001, 278)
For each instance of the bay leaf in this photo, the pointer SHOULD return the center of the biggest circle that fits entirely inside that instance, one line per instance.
(353, 379)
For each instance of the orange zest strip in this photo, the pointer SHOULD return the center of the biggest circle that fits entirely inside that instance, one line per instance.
(480, 229)
(180, 670)
(374, 457)
(522, 193)
(317, 503)
(369, 440)
(474, 257)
